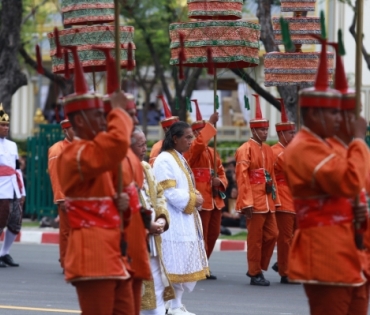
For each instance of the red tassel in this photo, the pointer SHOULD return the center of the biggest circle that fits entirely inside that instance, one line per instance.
(58, 47)
(40, 69)
(210, 65)
(66, 65)
(130, 58)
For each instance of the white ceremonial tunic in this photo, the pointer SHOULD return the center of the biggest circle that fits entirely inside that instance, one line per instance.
(8, 157)
(182, 245)
(158, 290)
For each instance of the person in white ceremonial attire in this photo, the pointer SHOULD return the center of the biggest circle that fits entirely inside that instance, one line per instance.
(12, 191)
(159, 290)
(183, 249)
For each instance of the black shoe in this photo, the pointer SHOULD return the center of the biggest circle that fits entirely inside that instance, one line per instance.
(285, 280)
(225, 231)
(2, 264)
(8, 260)
(275, 267)
(211, 277)
(259, 280)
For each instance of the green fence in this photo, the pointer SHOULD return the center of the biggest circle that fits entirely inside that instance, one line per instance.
(39, 201)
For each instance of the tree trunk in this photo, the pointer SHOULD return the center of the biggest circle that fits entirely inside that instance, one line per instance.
(11, 76)
(288, 93)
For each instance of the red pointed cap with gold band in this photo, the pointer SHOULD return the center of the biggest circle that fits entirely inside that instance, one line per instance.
(321, 95)
(169, 120)
(284, 125)
(82, 99)
(199, 123)
(348, 95)
(65, 124)
(259, 121)
(112, 81)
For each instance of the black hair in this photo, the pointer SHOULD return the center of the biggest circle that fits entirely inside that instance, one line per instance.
(178, 130)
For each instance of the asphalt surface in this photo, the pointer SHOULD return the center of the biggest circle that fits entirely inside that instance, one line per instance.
(38, 287)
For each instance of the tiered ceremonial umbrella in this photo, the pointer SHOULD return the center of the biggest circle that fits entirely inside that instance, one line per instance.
(218, 39)
(90, 16)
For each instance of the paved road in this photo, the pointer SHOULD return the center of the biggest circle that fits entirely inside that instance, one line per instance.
(38, 287)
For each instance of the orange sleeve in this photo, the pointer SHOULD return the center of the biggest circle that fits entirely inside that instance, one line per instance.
(154, 152)
(53, 154)
(245, 195)
(200, 143)
(221, 174)
(101, 154)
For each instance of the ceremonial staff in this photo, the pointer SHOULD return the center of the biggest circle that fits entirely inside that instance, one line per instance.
(117, 49)
(358, 83)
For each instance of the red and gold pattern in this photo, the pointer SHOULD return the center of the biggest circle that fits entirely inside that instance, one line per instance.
(294, 68)
(87, 37)
(233, 43)
(300, 29)
(220, 9)
(297, 6)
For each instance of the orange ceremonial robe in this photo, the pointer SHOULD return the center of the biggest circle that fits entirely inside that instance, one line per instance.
(53, 153)
(135, 233)
(253, 160)
(84, 168)
(321, 181)
(285, 214)
(252, 157)
(156, 149)
(201, 160)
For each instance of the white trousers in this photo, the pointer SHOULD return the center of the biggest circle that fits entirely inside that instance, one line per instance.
(158, 287)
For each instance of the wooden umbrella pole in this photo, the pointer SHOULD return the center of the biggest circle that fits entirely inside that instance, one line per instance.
(117, 50)
(359, 29)
(298, 113)
(358, 78)
(215, 110)
(94, 80)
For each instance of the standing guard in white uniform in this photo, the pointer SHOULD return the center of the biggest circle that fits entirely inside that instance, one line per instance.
(12, 191)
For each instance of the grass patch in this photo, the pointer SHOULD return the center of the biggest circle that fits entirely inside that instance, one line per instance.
(31, 224)
(241, 236)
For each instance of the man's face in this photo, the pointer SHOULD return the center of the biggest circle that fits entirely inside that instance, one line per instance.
(139, 145)
(286, 136)
(69, 133)
(96, 121)
(328, 121)
(4, 130)
(182, 144)
(260, 134)
(133, 114)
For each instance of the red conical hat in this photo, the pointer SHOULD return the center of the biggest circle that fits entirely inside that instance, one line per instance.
(169, 119)
(65, 124)
(284, 125)
(259, 121)
(348, 95)
(199, 123)
(320, 96)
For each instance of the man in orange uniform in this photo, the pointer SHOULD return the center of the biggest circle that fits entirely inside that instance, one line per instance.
(257, 197)
(53, 154)
(323, 254)
(285, 214)
(201, 160)
(93, 261)
(133, 177)
(166, 124)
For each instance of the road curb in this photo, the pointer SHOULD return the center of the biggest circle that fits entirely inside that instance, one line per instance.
(52, 237)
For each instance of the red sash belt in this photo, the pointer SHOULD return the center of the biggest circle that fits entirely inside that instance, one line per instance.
(8, 171)
(280, 179)
(98, 212)
(324, 211)
(257, 176)
(202, 175)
